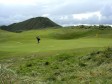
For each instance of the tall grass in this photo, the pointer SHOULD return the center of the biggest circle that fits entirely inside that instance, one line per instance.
(7, 76)
(65, 68)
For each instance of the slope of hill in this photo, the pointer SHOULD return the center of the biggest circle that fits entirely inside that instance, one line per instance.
(33, 23)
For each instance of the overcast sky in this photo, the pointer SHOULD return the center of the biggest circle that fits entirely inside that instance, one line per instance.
(63, 12)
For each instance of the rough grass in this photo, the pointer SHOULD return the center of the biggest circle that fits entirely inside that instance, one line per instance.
(64, 56)
(67, 67)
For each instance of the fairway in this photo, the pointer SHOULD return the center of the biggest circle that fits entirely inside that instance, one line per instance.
(26, 42)
(49, 44)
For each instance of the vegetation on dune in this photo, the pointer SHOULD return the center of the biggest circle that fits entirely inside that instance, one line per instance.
(77, 32)
(65, 34)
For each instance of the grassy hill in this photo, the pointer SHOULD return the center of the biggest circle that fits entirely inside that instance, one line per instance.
(64, 56)
(33, 23)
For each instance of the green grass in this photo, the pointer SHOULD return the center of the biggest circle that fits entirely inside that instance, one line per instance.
(25, 42)
(60, 58)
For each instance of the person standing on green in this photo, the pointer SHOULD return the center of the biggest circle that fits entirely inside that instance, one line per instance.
(38, 39)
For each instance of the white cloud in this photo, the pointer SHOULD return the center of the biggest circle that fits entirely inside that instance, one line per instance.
(46, 15)
(17, 2)
(62, 11)
(87, 15)
(27, 2)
